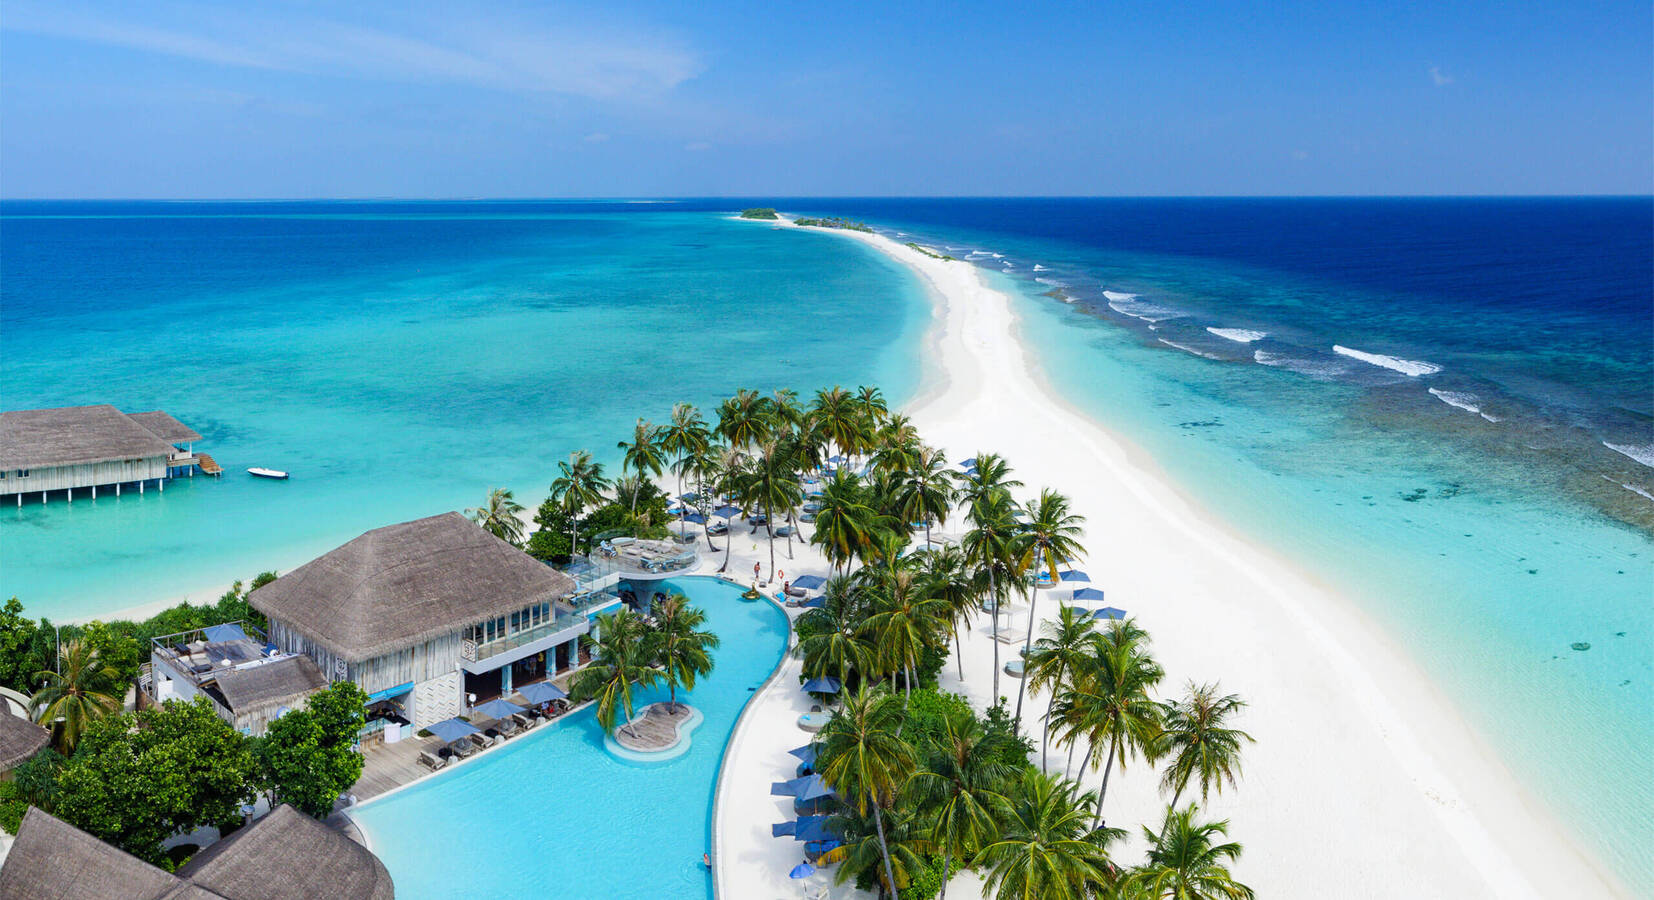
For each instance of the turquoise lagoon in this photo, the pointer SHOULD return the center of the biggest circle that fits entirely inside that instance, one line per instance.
(399, 359)
(553, 813)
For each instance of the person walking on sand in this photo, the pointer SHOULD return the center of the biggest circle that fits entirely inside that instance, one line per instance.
(756, 568)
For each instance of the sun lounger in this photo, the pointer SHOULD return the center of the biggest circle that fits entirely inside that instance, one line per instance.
(463, 747)
(797, 592)
(431, 761)
(1011, 636)
(525, 721)
(506, 727)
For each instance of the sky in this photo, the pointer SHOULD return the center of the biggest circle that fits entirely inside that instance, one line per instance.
(735, 98)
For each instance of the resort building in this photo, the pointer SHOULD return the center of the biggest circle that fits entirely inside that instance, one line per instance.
(19, 739)
(249, 680)
(88, 447)
(284, 856)
(431, 617)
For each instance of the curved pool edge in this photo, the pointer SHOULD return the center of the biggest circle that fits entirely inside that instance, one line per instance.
(736, 734)
(682, 740)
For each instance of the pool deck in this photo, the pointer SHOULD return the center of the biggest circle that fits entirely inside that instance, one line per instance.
(657, 727)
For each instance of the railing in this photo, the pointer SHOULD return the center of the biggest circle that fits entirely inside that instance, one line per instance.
(585, 603)
(561, 622)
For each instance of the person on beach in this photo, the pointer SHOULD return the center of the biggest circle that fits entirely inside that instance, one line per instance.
(756, 568)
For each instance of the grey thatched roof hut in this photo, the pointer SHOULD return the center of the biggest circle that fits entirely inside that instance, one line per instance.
(165, 427)
(19, 738)
(76, 435)
(283, 682)
(401, 585)
(284, 856)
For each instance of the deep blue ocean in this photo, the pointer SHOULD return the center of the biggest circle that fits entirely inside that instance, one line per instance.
(1444, 407)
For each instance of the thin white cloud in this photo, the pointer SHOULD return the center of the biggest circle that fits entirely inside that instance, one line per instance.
(603, 63)
(1439, 77)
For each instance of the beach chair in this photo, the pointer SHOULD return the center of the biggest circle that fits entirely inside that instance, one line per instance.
(432, 761)
(525, 721)
(463, 748)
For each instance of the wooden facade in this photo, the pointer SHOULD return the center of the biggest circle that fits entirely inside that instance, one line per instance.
(84, 475)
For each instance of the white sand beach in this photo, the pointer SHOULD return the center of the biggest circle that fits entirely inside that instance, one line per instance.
(1364, 781)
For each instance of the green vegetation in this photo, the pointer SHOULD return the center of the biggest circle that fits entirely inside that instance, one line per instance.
(931, 253)
(759, 212)
(308, 755)
(834, 222)
(498, 516)
(630, 652)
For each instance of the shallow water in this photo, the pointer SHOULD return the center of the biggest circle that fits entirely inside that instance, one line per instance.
(398, 359)
(555, 814)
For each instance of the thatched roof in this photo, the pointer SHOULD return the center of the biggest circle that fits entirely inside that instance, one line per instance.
(165, 427)
(19, 738)
(283, 682)
(53, 860)
(402, 585)
(289, 856)
(83, 434)
(284, 856)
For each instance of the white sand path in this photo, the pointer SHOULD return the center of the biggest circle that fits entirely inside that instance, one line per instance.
(1364, 781)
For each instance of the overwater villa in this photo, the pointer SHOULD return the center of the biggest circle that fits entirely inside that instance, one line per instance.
(249, 680)
(432, 617)
(73, 448)
(284, 856)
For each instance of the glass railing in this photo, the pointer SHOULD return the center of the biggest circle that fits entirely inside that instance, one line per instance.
(513, 641)
(585, 603)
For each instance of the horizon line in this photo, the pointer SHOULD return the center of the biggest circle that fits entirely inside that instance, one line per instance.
(389, 198)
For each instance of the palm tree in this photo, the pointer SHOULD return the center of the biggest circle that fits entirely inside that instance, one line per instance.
(1046, 850)
(961, 789)
(1052, 537)
(745, 419)
(680, 647)
(686, 438)
(839, 419)
(950, 579)
(620, 661)
(988, 547)
(704, 465)
(500, 516)
(926, 491)
(580, 485)
(830, 641)
(1185, 864)
(870, 403)
(785, 412)
(906, 622)
(771, 482)
(728, 472)
(1111, 705)
(1056, 658)
(864, 759)
(82, 693)
(862, 853)
(643, 454)
(898, 446)
(845, 523)
(1195, 735)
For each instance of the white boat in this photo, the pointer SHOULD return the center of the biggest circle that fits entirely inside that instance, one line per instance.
(267, 473)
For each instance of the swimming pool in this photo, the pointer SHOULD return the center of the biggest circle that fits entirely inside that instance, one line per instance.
(553, 813)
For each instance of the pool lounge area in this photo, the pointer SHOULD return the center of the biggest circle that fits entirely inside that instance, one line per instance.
(555, 812)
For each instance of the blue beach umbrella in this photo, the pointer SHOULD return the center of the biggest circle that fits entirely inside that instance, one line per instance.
(825, 685)
(727, 512)
(814, 788)
(809, 582)
(219, 633)
(1074, 575)
(806, 754)
(450, 730)
(802, 870)
(499, 709)
(697, 518)
(815, 829)
(816, 602)
(1088, 594)
(1109, 613)
(542, 692)
(783, 829)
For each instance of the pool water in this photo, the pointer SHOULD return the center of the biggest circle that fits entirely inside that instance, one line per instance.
(555, 814)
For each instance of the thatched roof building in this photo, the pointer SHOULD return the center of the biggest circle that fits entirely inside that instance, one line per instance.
(79, 435)
(19, 738)
(284, 856)
(284, 682)
(402, 585)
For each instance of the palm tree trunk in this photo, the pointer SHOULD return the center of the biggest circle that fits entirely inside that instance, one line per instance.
(769, 526)
(1027, 644)
(947, 862)
(993, 594)
(1113, 751)
(1068, 767)
(958, 652)
(884, 848)
(1051, 704)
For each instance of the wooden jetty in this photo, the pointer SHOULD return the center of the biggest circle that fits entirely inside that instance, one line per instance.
(209, 466)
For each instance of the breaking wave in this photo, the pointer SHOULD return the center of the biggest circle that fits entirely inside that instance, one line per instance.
(1188, 349)
(1322, 370)
(1239, 335)
(1642, 453)
(1130, 305)
(1409, 367)
(1459, 399)
(1038, 267)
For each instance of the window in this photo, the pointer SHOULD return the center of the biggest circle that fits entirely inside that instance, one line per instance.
(22, 473)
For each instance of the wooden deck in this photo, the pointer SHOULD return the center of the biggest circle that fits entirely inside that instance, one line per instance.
(209, 466)
(655, 729)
